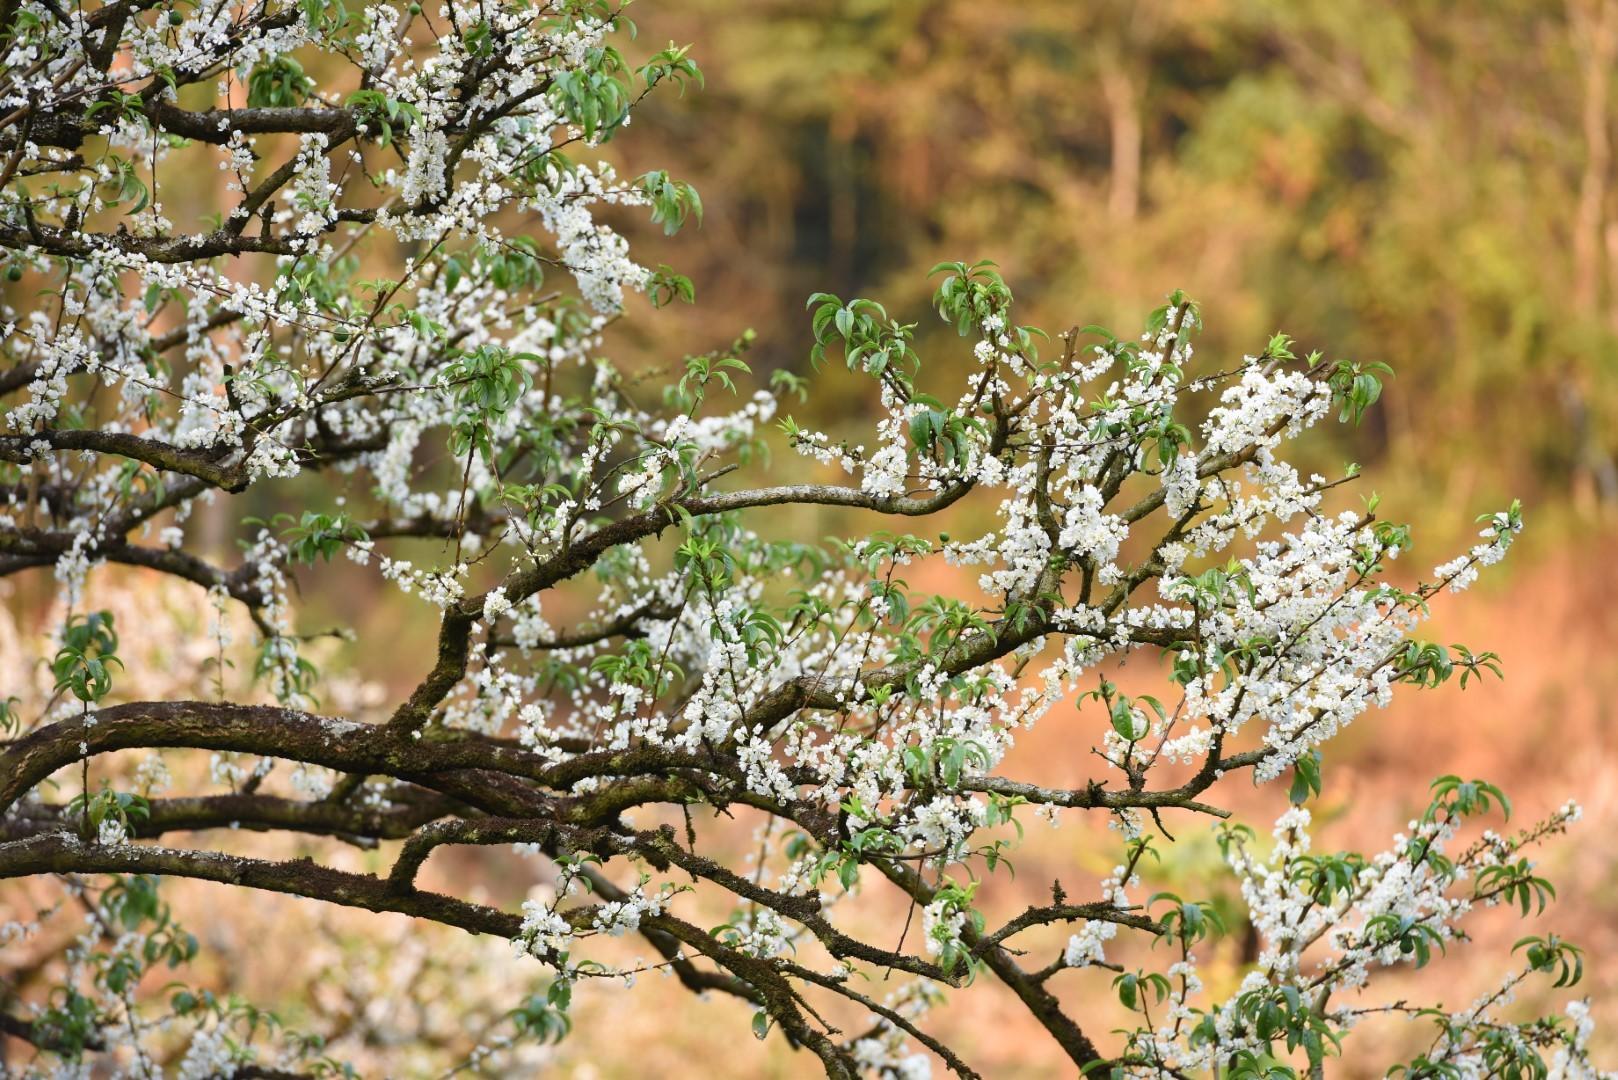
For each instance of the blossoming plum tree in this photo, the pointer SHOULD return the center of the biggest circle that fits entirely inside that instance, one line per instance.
(156, 360)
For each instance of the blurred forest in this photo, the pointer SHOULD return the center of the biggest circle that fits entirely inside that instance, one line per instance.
(1432, 185)
(1421, 183)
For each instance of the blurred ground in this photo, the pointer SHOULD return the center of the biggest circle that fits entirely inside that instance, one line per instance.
(1546, 733)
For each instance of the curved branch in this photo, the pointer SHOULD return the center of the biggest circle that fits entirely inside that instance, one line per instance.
(64, 853)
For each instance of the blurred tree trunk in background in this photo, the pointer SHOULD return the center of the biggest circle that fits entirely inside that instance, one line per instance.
(1593, 27)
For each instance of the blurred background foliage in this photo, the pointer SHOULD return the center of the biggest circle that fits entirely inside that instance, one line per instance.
(1427, 184)
(1419, 183)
